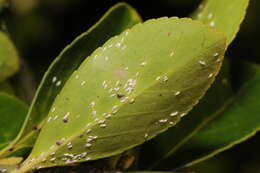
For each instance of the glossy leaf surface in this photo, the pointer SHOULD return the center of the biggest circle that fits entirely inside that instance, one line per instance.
(135, 86)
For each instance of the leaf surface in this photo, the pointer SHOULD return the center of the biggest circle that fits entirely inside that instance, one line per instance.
(135, 86)
(117, 19)
(8, 57)
(12, 113)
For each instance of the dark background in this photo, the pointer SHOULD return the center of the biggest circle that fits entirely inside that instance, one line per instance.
(40, 29)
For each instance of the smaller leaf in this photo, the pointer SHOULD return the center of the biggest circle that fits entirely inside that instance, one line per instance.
(12, 113)
(8, 57)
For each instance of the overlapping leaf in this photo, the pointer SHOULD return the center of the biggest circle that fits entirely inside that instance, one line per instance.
(12, 115)
(8, 57)
(117, 19)
(135, 86)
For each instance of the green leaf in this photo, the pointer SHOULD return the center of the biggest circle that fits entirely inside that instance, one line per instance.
(117, 19)
(224, 15)
(233, 125)
(134, 87)
(8, 57)
(12, 113)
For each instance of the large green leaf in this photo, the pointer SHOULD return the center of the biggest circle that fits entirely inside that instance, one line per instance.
(224, 15)
(235, 124)
(8, 57)
(134, 87)
(116, 20)
(12, 115)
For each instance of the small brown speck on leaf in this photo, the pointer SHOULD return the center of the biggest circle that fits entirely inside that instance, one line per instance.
(58, 142)
(119, 95)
